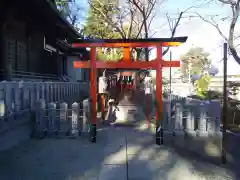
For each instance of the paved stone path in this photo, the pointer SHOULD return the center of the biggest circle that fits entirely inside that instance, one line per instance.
(120, 154)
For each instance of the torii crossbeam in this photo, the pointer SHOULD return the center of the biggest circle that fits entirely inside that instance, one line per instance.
(156, 64)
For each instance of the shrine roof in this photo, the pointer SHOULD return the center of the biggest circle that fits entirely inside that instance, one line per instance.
(49, 8)
(152, 40)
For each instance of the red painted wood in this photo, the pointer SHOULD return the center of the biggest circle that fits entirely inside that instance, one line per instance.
(126, 65)
(159, 83)
(102, 104)
(93, 85)
(156, 64)
(131, 44)
(126, 54)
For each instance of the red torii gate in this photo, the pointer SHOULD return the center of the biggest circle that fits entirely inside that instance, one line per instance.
(156, 64)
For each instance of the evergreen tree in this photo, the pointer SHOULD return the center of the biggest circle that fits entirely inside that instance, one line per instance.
(97, 27)
(69, 10)
(194, 62)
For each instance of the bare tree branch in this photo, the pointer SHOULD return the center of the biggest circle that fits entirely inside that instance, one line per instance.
(139, 18)
(235, 15)
(150, 21)
(234, 5)
(145, 11)
(170, 24)
(132, 15)
(213, 23)
(231, 2)
(174, 28)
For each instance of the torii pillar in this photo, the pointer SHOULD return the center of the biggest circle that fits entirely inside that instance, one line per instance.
(156, 64)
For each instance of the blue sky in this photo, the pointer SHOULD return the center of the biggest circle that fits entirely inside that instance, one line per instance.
(83, 5)
(200, 33)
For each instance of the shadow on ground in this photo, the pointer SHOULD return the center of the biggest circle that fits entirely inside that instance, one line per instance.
(169, 161)
(121, 153)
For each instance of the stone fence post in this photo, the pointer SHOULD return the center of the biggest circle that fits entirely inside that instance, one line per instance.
(8, 99)
(178, 127)
(52, 124)
(86, 115)
(75, 123)
(40, 125)
(202, 121)
(65, 126)
(190, 121)
(18, 96)
(33, 96)
(216, 115)
(38, 91)
(2, 112)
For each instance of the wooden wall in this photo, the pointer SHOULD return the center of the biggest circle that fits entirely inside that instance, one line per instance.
(16, 45)
(24, 50)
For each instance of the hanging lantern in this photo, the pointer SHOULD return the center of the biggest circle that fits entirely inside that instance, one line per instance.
(148, 85)
(102, 85)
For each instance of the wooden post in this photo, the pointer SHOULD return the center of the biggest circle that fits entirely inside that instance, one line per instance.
(126, 55)
(93, 90)
(102, 105)
(225, 99)
(159, 130)
(126, 64)
(121, 84)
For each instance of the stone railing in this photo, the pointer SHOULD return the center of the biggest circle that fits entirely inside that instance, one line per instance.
(62, 120)
(193, 125)
(18, 101)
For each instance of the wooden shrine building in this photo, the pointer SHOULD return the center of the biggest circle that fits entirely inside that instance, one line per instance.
(34, 40)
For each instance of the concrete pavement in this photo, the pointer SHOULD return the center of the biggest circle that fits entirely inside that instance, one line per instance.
(120, 153)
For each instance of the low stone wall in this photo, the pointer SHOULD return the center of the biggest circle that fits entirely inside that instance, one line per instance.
(18, 101)
(193, 125)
